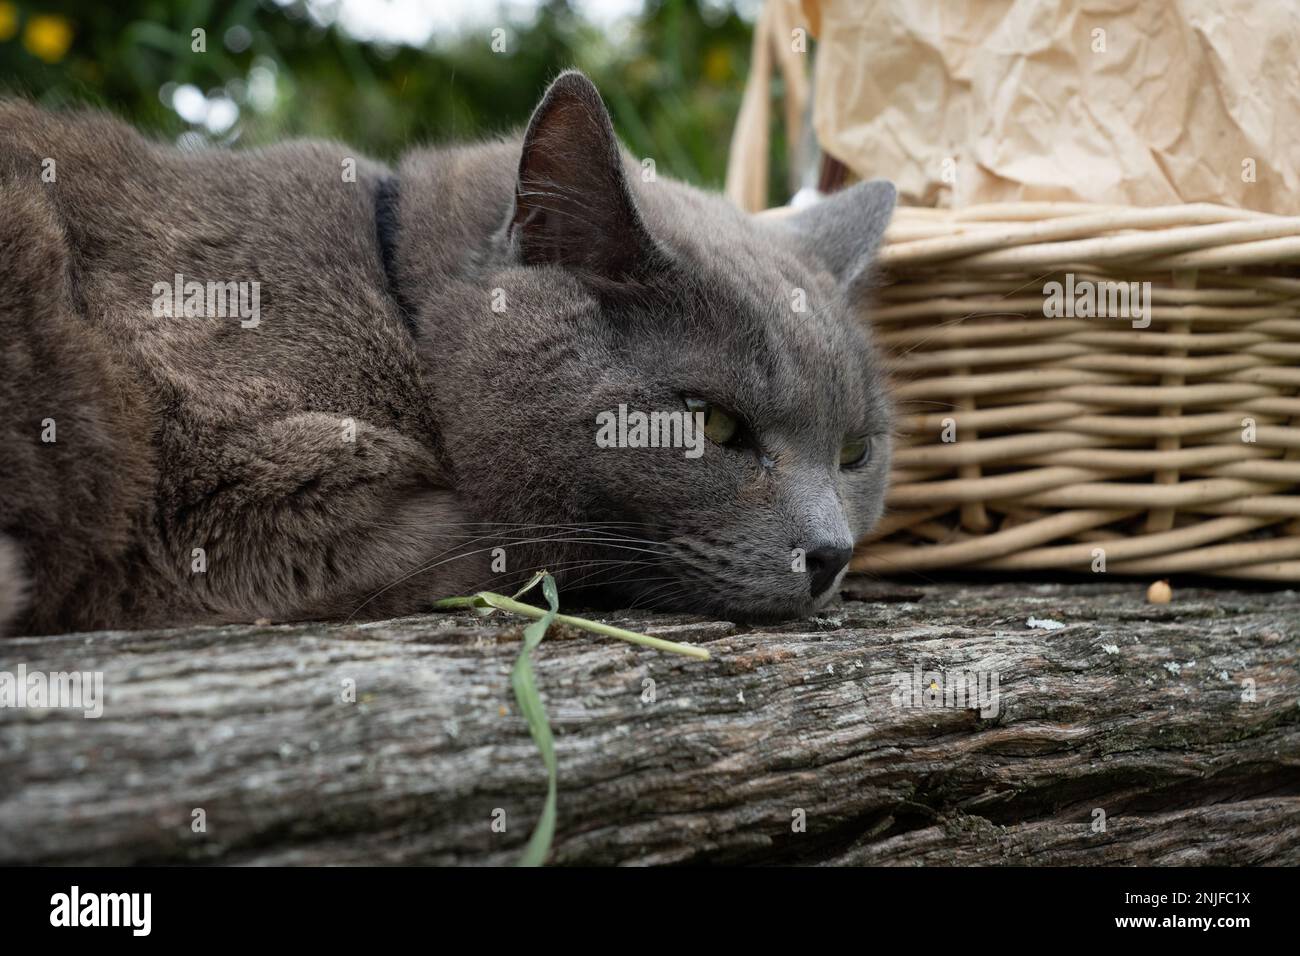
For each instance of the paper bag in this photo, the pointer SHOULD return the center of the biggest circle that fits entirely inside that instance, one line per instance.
(1110, 101)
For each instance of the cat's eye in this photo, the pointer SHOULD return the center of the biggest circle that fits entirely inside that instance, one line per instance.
(855, 452)
(720, 427)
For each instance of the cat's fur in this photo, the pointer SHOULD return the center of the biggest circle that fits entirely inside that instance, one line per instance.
(474, 428)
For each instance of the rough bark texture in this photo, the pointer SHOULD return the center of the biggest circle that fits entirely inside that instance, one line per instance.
(1133, 709)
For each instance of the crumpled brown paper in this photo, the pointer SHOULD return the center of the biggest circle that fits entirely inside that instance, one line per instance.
(1133, 102)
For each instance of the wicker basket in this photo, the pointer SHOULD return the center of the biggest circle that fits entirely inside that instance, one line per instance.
(1032, 443)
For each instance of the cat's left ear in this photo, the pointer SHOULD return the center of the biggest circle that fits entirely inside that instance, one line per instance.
(573, 205)
(844, 230)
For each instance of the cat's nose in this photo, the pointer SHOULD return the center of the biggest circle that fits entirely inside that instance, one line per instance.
(824, 563)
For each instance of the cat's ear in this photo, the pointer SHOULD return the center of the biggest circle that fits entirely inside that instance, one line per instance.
(573, 205)
(844, 230)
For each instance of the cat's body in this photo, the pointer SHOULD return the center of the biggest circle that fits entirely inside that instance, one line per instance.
(419, 384)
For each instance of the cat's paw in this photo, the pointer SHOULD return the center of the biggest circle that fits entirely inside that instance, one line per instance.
(315, 452)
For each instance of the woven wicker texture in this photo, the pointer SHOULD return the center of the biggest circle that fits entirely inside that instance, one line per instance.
(1030, 441)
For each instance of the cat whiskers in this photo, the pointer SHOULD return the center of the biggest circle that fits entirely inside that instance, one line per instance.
(566, 536)
(562, 569)
(659, 594)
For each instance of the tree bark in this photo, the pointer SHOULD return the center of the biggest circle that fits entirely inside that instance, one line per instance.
(793, 744)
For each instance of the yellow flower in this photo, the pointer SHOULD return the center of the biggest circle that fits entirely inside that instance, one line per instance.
(48, 37)
(717, 65)
(8, 20)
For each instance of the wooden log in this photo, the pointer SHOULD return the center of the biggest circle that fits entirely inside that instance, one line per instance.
(1180, 723)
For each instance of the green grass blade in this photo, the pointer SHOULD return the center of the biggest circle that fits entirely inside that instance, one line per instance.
(501, 602)
(532, 583)
(521, 679)
(530, 705)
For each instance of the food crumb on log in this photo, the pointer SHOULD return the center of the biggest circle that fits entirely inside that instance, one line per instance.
(1159, 593)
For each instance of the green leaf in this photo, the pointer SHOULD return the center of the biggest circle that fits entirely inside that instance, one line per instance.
(521, 678)
(530, 705)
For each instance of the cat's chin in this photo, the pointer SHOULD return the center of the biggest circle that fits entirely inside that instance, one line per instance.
(743, 609)
(753, 607)
(751, 614)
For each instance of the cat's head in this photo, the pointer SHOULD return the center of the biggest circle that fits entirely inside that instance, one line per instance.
(611, 294)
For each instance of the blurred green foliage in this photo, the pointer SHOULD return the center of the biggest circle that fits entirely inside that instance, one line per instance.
(673, 81)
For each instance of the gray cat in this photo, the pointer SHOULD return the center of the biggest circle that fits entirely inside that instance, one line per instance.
(292, 383)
